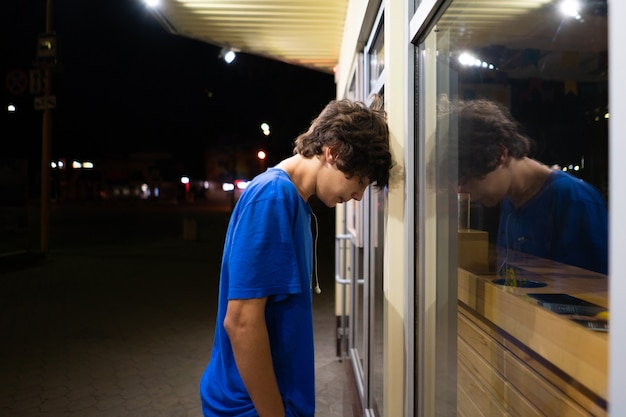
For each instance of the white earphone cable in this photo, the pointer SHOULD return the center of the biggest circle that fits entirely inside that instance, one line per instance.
(317, 288)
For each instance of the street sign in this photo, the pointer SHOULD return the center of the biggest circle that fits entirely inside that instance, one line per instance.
(17, 81)
(45, 103)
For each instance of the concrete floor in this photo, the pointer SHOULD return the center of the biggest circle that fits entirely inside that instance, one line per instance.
(118, 319)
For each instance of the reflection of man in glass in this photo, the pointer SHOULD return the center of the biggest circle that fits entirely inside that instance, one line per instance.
(544, 212)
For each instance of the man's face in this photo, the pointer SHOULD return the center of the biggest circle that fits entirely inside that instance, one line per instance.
(334, 186)
(490, 189)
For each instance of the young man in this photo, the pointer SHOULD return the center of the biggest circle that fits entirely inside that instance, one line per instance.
(262, 358)
(544, 212)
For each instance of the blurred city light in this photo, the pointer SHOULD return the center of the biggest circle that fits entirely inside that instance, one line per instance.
(145, 191)
(184, 180)
(241, 184)
(228, 186)
(261, 155)
(265, 128)
(11, 108)
(152, 3)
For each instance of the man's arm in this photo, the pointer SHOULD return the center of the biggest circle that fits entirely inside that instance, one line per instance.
(246, 328)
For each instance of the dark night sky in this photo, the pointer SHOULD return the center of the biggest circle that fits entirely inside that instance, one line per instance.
(124, 84)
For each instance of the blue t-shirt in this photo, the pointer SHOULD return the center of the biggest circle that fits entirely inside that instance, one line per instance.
(566, 221)
(268, 253)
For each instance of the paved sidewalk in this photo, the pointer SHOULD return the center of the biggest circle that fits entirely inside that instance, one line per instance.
(123, 325)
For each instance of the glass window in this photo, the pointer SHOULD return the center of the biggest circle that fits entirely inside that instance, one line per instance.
(376, 58)
(352, 92)
(526, 89)
(515, 114)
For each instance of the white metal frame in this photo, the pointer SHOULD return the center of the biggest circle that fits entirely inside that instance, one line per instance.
(617, 206)
(363, 227)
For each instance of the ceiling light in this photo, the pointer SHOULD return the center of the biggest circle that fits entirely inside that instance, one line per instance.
(228, 55)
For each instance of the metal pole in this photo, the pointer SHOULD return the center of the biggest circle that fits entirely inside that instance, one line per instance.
(46, 140)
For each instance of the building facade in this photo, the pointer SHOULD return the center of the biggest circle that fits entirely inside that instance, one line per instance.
(399, 250)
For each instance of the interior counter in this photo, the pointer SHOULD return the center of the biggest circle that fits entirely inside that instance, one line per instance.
(523, 344)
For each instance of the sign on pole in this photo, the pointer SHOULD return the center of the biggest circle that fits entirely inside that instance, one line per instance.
(45, 103)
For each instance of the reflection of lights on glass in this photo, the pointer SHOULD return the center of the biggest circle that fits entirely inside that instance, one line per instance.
(261, 155)
(228, 186)
(570, 8)
(184, 180)
(469, 60)
(466, 59)
(152, 3)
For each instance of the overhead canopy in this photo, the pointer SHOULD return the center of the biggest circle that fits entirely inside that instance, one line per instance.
(301, 32)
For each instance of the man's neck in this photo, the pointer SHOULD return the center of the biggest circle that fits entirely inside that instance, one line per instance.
(302, 172)
(529, 176)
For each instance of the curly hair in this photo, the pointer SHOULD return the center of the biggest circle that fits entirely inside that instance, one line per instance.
(357, 135)
(485, 130)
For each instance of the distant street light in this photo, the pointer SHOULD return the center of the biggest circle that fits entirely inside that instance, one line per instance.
(261, 155)
(11, 108)
(265, 128)
(185, 180)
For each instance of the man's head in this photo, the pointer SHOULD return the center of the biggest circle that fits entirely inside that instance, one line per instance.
(486, 133)
(356, 136)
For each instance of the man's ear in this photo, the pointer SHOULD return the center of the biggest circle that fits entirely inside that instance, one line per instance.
(504, 156)
(328, 155)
